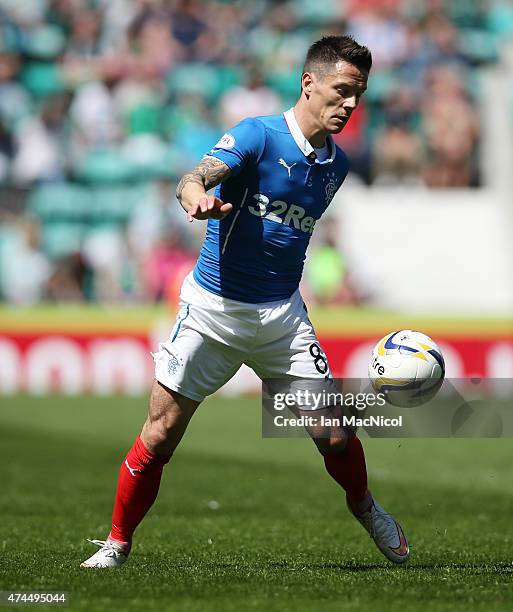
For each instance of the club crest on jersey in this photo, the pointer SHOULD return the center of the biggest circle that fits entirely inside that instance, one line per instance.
(331, 187)
(225, 142)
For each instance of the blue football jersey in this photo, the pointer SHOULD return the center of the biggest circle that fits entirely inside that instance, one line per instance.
(278, 190)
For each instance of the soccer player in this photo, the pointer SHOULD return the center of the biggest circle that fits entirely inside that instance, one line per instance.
(274, 177)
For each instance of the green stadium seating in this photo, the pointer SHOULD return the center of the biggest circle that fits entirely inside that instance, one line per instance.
(45, 42)
(59, 239)
(60, 202)
(478, 45)
(105, 166)
(205, 80)
(113, 205)
(42, 79)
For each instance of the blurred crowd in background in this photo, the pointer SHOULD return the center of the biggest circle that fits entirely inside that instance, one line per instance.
(105, 103)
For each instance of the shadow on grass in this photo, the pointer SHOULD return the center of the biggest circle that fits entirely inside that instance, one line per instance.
(491, 567)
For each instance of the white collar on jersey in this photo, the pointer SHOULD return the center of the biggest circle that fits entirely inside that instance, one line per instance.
(302, 142)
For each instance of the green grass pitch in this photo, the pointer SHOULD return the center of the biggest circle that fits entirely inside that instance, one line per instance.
(280, 538)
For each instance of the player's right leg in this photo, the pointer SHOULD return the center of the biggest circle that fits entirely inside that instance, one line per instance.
(141, 471)
(203, 351)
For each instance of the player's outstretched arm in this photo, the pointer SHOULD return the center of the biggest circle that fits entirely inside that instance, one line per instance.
(193, 186)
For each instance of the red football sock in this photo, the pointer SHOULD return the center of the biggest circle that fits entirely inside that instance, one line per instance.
(138, 485)
(349, 470)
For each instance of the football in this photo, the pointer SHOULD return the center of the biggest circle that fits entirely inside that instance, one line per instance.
(408, 367)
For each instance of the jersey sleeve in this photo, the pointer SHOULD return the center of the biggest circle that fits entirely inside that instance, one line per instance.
(243, 144)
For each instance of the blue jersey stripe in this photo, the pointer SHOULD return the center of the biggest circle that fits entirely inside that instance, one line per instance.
(234, 220)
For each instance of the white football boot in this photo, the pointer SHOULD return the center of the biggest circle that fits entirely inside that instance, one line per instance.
(386, 532)
(111, 554)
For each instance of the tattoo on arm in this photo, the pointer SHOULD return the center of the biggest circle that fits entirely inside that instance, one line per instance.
(208, 173)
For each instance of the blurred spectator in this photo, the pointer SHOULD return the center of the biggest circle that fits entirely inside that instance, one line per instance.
(380, 26)
(397, 156)
(452, 130)
(68, 281)
(6, 151)
(187, 26)
(84, 33)
(152, 47)
(326, 278)
(168, 259)
(192, 126)
(96, 122)
(41, 143)
(249, 100)
(104, 251)
(24, 270)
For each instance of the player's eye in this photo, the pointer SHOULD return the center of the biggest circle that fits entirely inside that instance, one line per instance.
(348, 92)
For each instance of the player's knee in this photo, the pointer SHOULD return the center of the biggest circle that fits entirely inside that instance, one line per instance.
(163, 429)
(168, 416)
(156, 433)
(333, 445)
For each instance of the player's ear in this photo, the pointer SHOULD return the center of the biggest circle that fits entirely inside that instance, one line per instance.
(307, 83)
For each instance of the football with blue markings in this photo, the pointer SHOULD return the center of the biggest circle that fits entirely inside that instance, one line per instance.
(407, 367)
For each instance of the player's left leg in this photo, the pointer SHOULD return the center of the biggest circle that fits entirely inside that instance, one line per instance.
(290, 349)
(344, 460)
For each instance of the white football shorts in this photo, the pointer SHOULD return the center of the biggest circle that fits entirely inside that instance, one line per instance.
(213, 336)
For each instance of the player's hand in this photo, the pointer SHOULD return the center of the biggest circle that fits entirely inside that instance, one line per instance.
(209, 207)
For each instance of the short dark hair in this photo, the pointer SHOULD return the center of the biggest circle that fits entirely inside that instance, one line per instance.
(332, 49)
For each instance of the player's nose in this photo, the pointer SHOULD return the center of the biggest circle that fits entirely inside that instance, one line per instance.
(351, 102)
